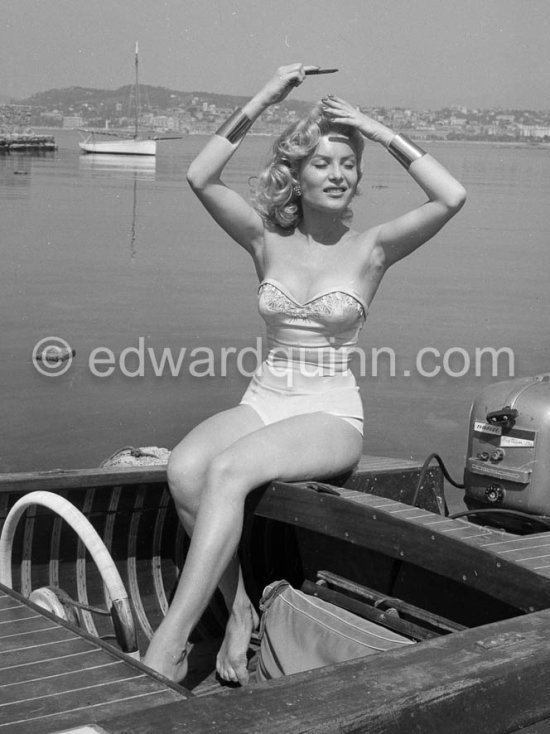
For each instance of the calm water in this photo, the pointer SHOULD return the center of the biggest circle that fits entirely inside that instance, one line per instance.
(118, 254)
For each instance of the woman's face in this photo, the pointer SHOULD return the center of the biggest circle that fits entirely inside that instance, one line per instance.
(329, 176)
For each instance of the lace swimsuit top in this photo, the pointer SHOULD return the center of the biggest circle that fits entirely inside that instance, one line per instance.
(322, 330)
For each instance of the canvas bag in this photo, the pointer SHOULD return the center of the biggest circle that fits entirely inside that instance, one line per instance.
(299, 632)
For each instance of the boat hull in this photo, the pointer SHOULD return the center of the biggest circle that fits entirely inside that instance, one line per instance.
(378, 526)
(120, 147)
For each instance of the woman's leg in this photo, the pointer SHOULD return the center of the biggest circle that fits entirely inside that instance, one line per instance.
(187, 470)
(312, 446)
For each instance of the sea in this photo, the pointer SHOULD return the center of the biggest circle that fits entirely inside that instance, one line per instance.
(115, 259)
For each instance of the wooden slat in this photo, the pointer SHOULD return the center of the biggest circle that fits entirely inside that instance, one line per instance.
(46, 636)
(59, 479)
(53, 675)
(383, 601)
(528, 550)
(81, 561)
(25, 654)
(367, 611)
(14, 614)
(51, 686)
(55, 542)
(133, 582)
(32, 625)
(156, 558)
(86, 705)
(65, 664)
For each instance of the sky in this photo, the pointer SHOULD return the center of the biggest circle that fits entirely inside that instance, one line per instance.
(410, 53)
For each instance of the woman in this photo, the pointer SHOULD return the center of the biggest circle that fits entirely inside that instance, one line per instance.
(301, 417)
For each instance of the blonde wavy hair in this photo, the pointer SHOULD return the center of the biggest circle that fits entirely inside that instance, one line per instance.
(275, 194)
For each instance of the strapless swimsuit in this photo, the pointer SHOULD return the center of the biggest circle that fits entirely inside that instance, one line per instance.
(309, 347)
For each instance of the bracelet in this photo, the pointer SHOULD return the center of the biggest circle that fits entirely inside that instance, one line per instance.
(235, 127)
(404, 150)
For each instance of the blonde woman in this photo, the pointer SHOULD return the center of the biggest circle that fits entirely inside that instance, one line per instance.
(301, 416)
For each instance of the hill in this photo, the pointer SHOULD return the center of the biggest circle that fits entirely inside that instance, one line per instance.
(151, 97)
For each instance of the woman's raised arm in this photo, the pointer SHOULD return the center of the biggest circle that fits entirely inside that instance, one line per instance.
(230, 210)
(398, 238)
(446, 196)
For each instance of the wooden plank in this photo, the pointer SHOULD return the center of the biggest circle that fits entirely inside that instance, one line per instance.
(98, 690)
(53, 675)
(361, 609)
(15, 614)
(541, 727)
(486, 680)
(55, 664)
(6, 602)
(83, 707)
(48, 652)
(52, 685)
(45, 635)
(383, 601)
(407, 534)
(528, 551)
(397, 479)
(60, 479)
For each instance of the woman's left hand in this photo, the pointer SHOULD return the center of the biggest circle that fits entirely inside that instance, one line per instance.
(343, 113)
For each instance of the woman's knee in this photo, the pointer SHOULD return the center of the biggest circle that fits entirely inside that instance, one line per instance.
(186, 473)
(228, 474)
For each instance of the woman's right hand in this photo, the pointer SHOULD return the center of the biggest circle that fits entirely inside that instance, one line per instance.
(285, 79)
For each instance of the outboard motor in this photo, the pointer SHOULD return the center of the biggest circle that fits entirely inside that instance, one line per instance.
(508, 463)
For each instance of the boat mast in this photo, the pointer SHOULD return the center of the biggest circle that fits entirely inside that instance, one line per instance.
(137, 95)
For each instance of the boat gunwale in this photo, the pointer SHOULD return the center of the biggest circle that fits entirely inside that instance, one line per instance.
(60, 479)
(445, 684)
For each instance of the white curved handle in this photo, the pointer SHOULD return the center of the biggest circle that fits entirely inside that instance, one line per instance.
(87, 533)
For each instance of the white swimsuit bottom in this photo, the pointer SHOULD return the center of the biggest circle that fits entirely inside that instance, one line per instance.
(283, 391)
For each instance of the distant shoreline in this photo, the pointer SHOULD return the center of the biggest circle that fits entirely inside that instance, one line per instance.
(506, 143)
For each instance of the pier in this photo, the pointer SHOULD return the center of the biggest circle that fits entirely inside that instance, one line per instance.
(21, 141)
(15, 133)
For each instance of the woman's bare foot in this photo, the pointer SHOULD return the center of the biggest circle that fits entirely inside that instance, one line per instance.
(170, 664)
(231, 662)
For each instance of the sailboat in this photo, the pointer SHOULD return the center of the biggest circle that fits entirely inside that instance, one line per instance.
(134, 145)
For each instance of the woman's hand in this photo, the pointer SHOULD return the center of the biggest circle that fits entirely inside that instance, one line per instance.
(343, 113)
(286, 78)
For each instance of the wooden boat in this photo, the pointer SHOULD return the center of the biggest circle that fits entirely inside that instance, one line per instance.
(475, 600)
(96, 141)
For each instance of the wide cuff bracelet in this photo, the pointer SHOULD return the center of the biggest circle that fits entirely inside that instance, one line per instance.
(235, 127)
(404, 150)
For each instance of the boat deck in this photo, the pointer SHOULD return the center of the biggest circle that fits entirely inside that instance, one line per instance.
(514, 569)
(53, 676)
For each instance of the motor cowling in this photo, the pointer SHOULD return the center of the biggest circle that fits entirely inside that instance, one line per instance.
(508, 461)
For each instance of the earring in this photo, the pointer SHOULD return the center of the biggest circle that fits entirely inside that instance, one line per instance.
(297, 190)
